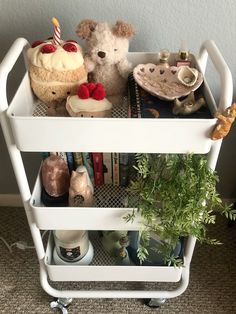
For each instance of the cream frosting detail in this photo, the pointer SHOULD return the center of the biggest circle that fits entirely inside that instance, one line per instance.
(89, 104)
(60, 60)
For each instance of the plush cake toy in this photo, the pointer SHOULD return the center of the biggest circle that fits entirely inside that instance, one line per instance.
(56, 67)
(90, 101)
(106, 56)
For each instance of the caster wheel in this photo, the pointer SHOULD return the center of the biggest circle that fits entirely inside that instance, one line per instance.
(154, 303)
(62, 304)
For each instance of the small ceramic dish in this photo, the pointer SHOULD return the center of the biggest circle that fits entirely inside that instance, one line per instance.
(167, 83)
(187, 76)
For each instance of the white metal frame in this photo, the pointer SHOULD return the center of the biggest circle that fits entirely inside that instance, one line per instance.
(207, 48)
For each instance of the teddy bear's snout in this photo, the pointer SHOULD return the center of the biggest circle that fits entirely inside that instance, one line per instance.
(101, 54)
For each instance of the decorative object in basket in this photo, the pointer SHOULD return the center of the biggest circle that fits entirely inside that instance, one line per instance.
(72, 246)
(115, 242)
(81, 188)
(106, 57)
(225, 121)
(167, 83)
(56, 67)
(188, 105)
(56, 181)
(90, 101)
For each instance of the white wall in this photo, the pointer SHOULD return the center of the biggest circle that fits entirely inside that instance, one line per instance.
(159, 24)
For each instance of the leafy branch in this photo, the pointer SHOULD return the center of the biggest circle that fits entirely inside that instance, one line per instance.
(177, 197)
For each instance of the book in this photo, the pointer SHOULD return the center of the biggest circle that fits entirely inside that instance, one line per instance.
(107, 168)
(98, 169)
(88, 163)
(115, 169)
(78, 159)
(70, 161)
(124, 168)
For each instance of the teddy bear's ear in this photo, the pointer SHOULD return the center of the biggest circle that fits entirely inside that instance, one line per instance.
(85, 28)
(123, 29)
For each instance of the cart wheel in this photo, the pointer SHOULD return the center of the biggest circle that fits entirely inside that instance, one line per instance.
(62, 304)
(154, 303)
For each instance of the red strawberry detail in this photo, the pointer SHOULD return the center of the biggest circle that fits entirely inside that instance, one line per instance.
(91, 87)
(69, 47)
(99, 93)
(48, 48)
(37, 43)
(83, 92)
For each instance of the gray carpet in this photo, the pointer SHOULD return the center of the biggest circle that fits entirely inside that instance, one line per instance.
(212, 287)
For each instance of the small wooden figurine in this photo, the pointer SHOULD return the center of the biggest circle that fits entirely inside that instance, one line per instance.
(225, 121)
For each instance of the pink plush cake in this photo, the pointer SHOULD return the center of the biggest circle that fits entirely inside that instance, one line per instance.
(90, 101)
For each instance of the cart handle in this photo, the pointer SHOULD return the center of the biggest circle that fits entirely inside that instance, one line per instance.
(6, 66)
(209, 48)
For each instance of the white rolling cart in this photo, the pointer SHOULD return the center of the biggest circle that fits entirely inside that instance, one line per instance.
(25, 132)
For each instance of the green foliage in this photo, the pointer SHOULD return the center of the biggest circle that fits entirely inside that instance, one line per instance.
(177, 197)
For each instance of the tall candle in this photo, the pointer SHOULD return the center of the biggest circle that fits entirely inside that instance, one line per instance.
(57, 32)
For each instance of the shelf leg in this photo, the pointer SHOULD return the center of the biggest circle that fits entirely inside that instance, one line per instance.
(62, 304)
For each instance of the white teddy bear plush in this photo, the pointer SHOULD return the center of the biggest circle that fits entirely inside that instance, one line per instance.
(106, 56)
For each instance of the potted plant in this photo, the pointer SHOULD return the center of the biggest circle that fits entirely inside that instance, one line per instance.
(176, 196)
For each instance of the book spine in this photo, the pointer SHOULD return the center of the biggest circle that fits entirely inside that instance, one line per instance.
(87, 160)
(45, 155)
(107, 168)
(78, 159)
(115, 169)
(62, 155)
(134, 98)
(98, 169)
(70, 161)
(124, 169)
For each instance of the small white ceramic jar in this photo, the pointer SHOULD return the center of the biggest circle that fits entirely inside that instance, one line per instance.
(71, 245)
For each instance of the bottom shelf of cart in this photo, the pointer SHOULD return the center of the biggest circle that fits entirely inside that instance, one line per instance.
(98, 272)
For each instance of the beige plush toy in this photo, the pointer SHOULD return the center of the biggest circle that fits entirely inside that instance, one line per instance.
(56, 67)
(106, 59)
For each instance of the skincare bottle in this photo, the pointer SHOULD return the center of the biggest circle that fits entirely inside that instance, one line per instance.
(183, 58)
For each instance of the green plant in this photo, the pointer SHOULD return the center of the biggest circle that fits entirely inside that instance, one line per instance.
(176, 195)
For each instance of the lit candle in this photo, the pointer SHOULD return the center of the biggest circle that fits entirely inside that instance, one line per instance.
(57, 32)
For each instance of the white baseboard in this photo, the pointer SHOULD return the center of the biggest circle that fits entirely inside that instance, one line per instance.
(10, 200)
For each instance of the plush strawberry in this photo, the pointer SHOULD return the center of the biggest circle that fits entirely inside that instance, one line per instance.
(91, 87)
(48, 48)
(99, 93)
(70, 47)
(83, 91)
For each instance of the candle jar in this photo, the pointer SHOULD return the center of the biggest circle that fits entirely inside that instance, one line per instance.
(71, 245)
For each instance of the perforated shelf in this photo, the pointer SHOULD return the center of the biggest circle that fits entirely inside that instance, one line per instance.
(120, 111)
